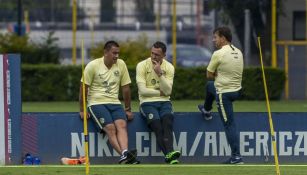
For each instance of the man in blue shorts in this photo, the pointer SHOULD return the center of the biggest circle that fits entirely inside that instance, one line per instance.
(225, 74)
(154, 77)
(103, 78)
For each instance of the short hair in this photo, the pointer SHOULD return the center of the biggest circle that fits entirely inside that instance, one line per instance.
(224, 31)
(159, 44)
(109, 44)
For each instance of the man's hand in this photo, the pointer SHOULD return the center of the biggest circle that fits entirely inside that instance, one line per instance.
(129, 115)
(82, 115)
(157, 68)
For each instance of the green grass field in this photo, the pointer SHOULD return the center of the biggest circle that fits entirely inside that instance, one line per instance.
(179, 106)
(156, 170)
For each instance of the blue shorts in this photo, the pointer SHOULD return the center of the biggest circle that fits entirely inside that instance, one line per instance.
(155, 110)
(104, 114)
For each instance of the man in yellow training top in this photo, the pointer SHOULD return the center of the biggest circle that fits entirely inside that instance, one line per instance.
(103, 77)
(154, 77)
(225, 68)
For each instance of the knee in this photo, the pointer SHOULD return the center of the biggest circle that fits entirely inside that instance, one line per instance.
(120, 125)
(155, 125)
(110, 129)
(167, 119)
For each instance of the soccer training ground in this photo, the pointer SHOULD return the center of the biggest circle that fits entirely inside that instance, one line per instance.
(157, 169)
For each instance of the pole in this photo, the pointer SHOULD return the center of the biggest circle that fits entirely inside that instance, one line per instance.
(198, 22)
(273, 138)
(158, 16)
(19, 14)
(306, 47)
(274, 52)
(287, 72)
(26, 20)
(85, 130)
(91, 26)
(174, 35)
(74, 30)
(247, 36)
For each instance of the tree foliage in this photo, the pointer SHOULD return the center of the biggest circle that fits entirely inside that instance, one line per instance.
(131, 51)
(46, 51)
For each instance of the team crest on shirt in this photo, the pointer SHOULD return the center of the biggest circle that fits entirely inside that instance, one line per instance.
(112, 83)
(105, 83)
(153, 81)
(116, 73)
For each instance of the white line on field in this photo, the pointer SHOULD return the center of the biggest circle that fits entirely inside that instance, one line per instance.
(146, 166)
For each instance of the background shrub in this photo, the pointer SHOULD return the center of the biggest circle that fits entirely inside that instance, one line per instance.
(51, 82)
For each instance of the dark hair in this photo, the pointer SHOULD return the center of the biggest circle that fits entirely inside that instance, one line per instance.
(224, 31)
(109, 44)
(159, 44)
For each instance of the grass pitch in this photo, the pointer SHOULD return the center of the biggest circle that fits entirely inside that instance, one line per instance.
(179, 106)
(182, 169)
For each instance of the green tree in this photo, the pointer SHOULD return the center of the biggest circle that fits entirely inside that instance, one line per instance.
(131, 51)
(46, 51)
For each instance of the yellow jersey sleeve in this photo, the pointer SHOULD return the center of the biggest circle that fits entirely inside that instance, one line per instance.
(125, 78)
(214, 62)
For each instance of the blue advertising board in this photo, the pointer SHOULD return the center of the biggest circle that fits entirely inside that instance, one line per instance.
(10, 108)
(56, 135)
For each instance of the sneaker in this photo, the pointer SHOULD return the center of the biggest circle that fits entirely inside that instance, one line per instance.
(127, 156)
(174, 162)
(133, 161)
(234, 160)
(82, 160)
(172, 156)
(70, 161)
(206, 114)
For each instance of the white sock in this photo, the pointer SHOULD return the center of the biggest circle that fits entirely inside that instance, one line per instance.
(124, 151)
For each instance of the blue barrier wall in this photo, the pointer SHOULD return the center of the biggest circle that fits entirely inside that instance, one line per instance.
(10, 109)
(54, 135)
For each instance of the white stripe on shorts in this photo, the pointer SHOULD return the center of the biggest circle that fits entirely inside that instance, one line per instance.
(222, 108)
(95, 118)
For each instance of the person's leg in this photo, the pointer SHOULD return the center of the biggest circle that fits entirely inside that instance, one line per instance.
(209, 99)
(167, 118)
(120, 121)
(121, 134)
(167, 121)
(210, 95)
(150, 113)
(156, 127)
(167, 126)
(103, 120)
(225, 109)
(110, 130)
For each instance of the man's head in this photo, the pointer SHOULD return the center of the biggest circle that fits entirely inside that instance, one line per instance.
(221, 36)
(158, 51)
(111, 51)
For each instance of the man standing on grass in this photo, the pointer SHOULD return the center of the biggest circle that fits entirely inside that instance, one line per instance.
(103, 77)
(154, 77)
(225, 68)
